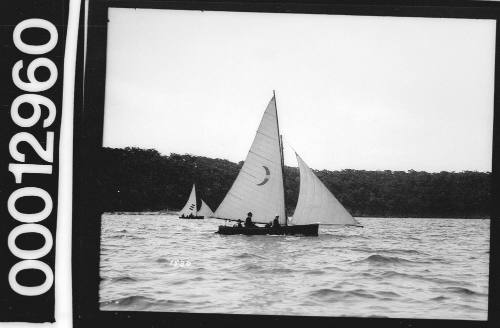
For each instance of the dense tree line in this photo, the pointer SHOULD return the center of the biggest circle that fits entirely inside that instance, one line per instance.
(134, 179)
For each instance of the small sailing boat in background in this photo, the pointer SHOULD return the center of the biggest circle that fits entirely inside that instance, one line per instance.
(190, 211)
(260, 188)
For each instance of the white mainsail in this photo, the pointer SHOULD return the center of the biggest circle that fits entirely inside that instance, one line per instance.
(258, 188)
(316, 204)
(190, 207)
(205, 210)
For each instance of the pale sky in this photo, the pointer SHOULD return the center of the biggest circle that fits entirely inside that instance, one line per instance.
(354, 92)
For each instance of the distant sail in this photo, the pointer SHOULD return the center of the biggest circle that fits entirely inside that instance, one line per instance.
(190, 207)
(258, 188)
(205, 210)
(316, 204)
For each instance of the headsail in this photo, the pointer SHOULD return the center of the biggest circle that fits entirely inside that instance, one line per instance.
(190, 207)
(316, 204)
(258, 188)
(205, 210)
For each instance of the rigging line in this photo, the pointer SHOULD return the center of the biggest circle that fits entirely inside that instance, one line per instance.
(253, 176)
(265, 135)
(234, 195)
(267, 159)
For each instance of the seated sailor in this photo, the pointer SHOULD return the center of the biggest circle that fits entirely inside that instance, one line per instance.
(269, 224)
(248, 221)
(239, 225)
(276, 222)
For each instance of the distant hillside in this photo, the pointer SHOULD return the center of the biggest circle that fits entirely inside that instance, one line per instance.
(134, 179)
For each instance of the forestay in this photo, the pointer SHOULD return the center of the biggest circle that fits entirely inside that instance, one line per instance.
(316, 204)
(258, 188)
(190, 207)
(205, 210)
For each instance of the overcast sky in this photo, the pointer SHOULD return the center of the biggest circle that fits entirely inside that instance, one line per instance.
(353, 92)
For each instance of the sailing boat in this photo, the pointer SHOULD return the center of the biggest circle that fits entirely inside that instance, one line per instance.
(189, 211)
(260, 188)
(205, 210)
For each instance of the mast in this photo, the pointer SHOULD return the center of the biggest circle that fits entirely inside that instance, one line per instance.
(282, 158)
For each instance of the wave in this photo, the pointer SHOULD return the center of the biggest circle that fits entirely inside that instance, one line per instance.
(440, 260)
(395, 274)
(279, 270)
(123, 279)
(250, 267)
(329, 235)
(464, 291)
(198, 278)
(390, 251)
(439, 298)
(129, 301)
(387, 294)
(381, 259)
(137, 302)
(391, 274)
(315, 272)
(127, 236)
(337, 295)
(325, 292)
(248, 256)
(360, 293)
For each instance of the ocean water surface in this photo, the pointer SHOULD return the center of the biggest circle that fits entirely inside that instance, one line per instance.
(398, 268)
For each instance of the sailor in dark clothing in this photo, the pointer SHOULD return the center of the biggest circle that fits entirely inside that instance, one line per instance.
(276, 222)
(248, 221)
(239, 224)
(269, 224)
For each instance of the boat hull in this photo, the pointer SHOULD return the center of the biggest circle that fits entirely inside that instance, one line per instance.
(298, 230)
(193, 218)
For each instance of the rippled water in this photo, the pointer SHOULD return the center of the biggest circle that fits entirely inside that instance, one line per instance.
(404, 268)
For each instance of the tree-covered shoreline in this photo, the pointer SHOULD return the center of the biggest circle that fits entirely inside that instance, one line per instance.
(139, 180)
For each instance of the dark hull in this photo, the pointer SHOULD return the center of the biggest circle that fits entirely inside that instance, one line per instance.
(193, 218)
(300, 230)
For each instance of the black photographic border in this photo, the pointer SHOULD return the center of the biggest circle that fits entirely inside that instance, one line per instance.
(88, 132)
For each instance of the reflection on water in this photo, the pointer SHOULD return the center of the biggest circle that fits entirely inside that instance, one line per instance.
(405, 268)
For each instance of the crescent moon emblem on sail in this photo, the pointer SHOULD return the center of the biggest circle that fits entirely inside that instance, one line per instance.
(267, 176)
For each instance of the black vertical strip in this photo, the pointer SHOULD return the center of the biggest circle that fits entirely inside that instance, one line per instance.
(494, 274)
(88, 132)
(16, 305)
(78, 112)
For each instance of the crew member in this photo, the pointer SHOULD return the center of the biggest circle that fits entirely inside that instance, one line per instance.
(276, 222)
(248, 221)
